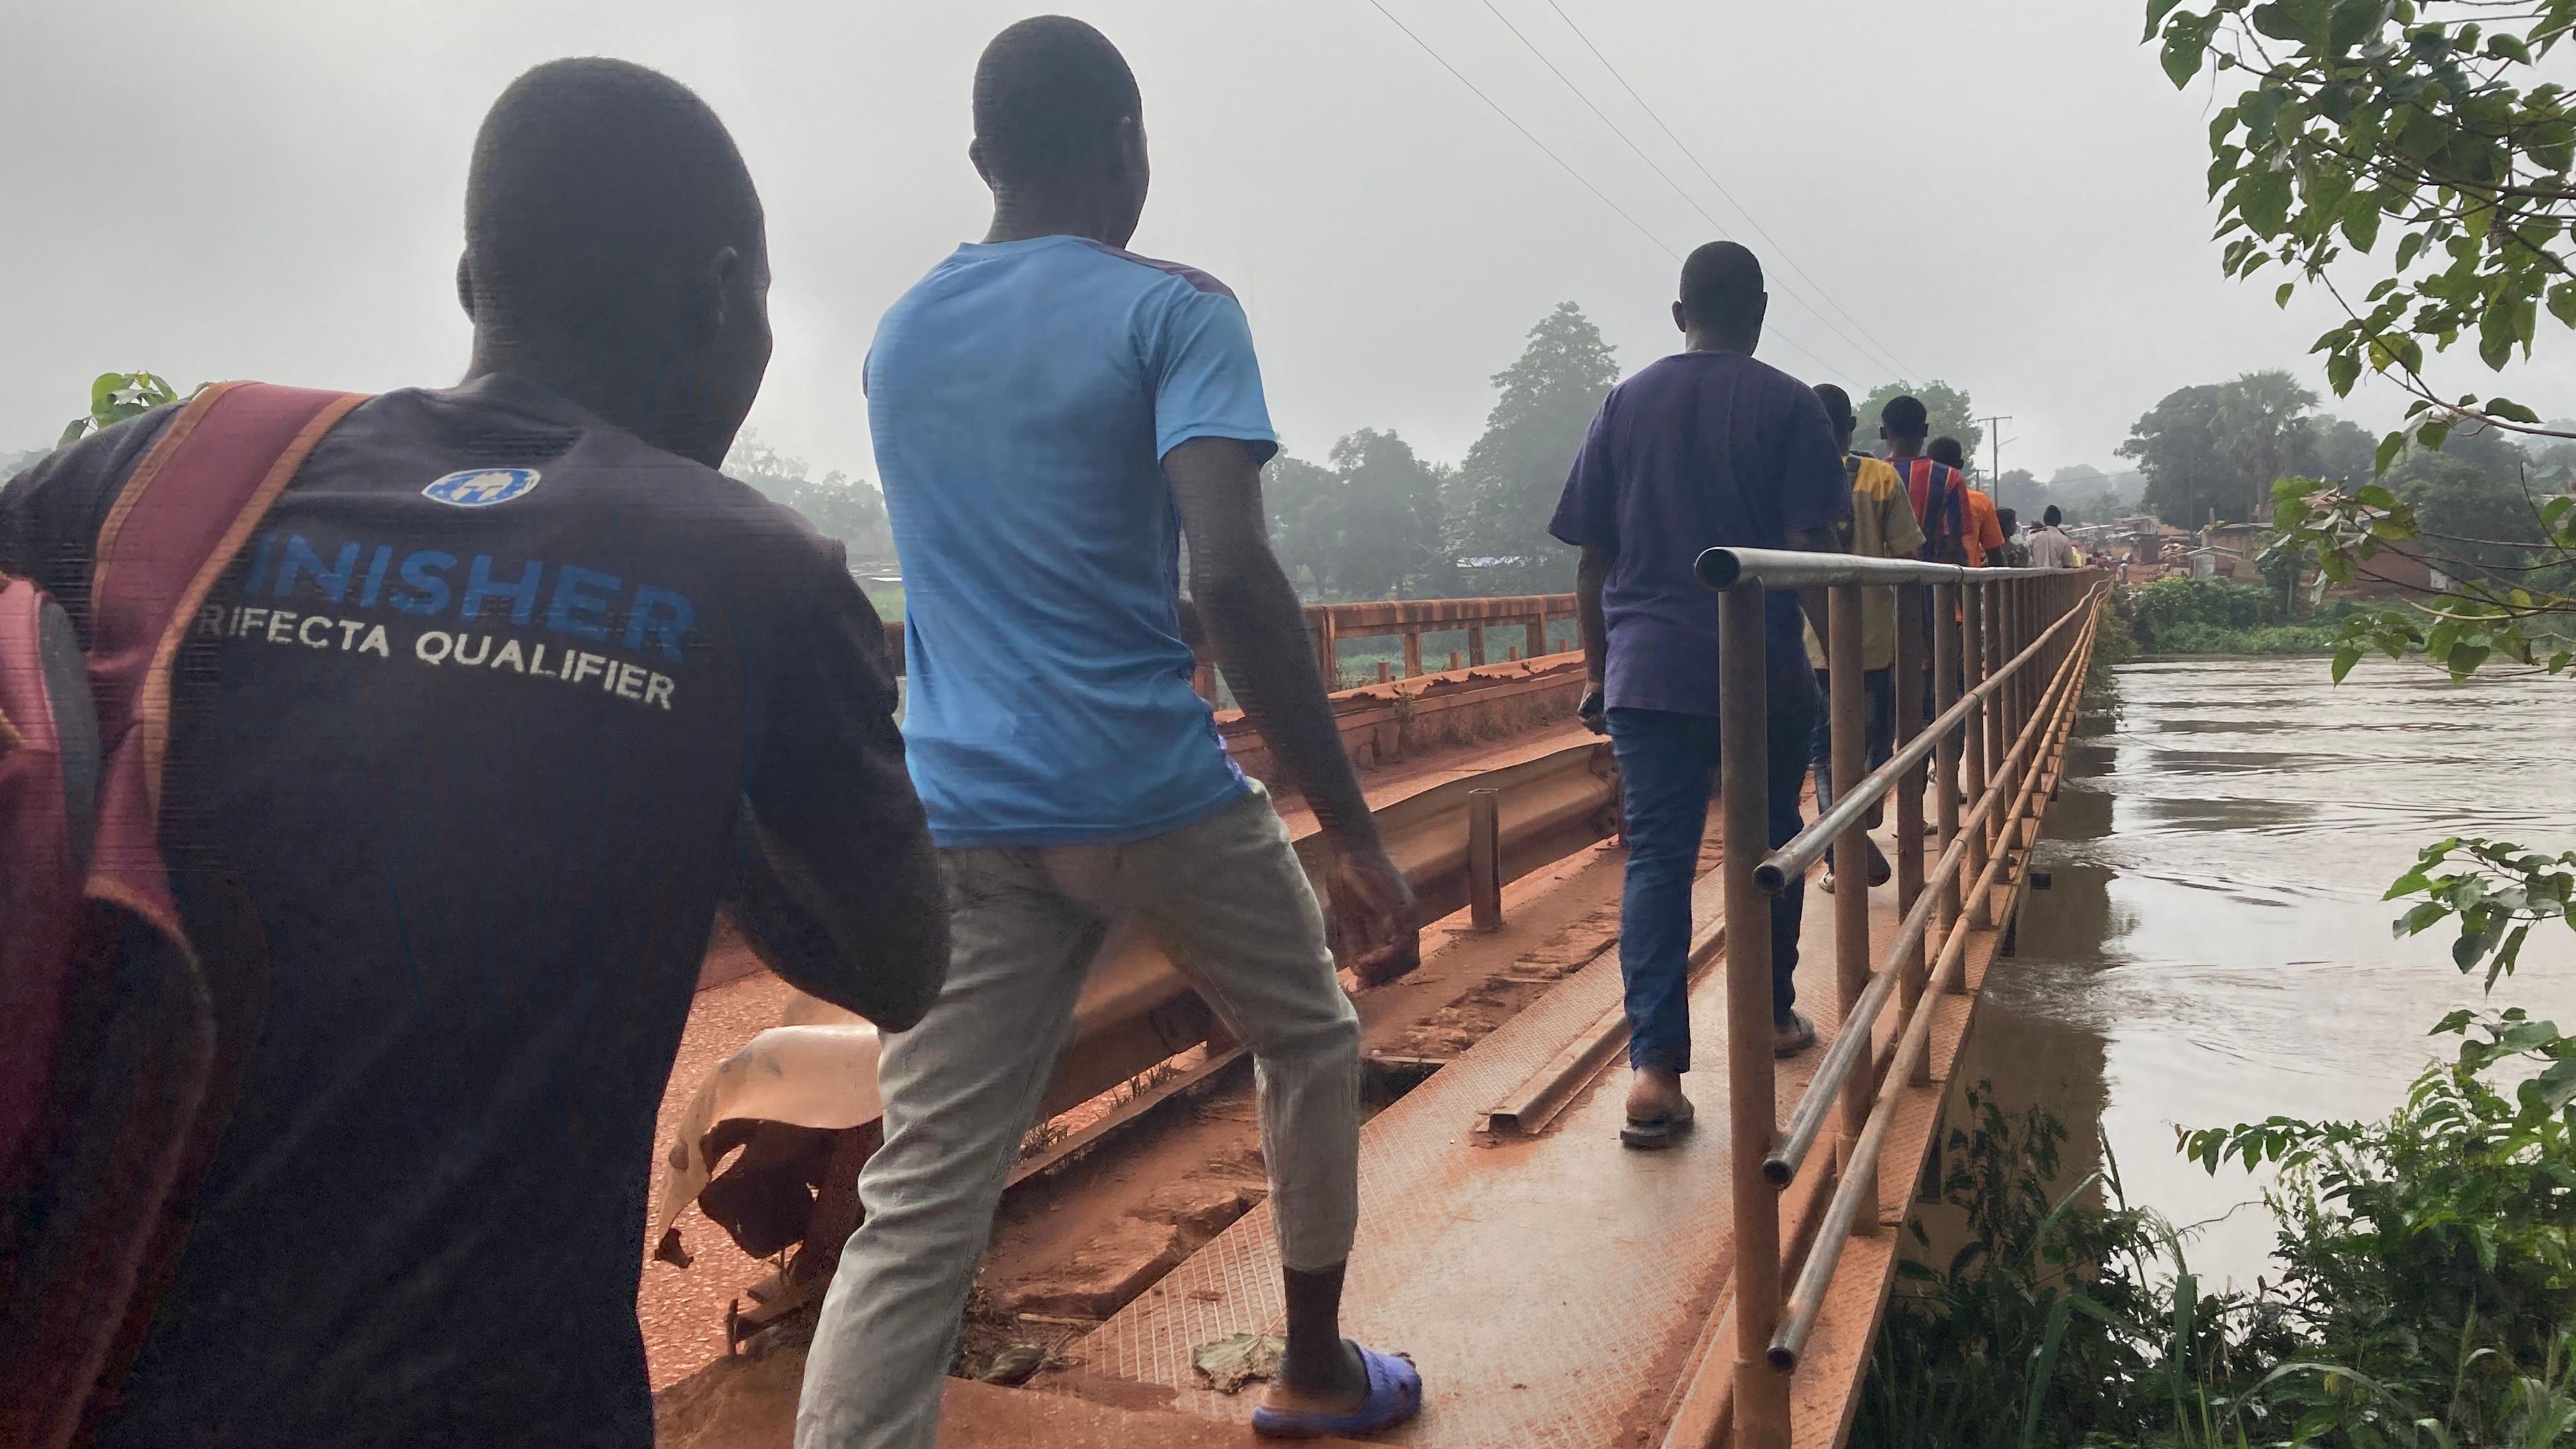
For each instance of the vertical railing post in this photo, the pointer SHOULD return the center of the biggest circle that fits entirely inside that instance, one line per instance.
(1485, 859)
(1534, 638)
(1761, 1394)
(1328, 650)
(1972, 653)
(1847, 716)
(1990, 622)
(1848, 728)
(1412, 650)
(1909, 680)
(1475, 644)
(1947, 657)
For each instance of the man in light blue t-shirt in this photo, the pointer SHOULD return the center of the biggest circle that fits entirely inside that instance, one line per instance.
(1052, 414)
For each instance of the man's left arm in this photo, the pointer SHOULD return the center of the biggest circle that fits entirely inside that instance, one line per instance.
(838, 887)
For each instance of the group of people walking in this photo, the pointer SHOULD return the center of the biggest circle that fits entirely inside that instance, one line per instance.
(1713, 448)
(451, 912)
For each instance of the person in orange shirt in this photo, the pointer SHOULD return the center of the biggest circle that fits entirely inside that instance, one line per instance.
(1983, 532)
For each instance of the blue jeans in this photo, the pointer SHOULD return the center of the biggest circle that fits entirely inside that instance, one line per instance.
(1879, 706)
(1667, 771)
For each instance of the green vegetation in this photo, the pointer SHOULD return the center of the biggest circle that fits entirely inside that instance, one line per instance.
(2216, 616)
(114, 397)
(1947, 413)
(846, 508)
(2427, 1295)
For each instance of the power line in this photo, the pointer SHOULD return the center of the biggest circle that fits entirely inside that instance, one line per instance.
(1569, 170)
(1693, 202)
(1902, 370)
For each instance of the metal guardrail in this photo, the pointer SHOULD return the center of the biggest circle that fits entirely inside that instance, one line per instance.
(1407, 620)
(2005, 655)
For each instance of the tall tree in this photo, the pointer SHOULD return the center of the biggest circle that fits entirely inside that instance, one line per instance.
(1948, 409)
(2344, 452)
(2177, 448)
(1304, 530)
(846, 508)
(1389, 518)
(2263, 429)
(1506, 490)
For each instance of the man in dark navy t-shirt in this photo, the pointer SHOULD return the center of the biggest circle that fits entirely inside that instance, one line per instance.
(508, 692)
(1704, 449)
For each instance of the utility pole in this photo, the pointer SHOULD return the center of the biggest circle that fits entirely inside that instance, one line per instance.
(1995, 456)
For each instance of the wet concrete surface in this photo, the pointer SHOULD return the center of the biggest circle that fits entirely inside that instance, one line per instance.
(2214, 947)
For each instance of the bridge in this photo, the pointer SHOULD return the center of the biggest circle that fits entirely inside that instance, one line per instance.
(1556, 1290)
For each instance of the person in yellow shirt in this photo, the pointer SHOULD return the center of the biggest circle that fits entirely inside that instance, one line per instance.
(1882, 525)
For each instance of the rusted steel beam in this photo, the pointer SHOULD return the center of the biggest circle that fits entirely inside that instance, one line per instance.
(1485, 858)
(1136, 1009)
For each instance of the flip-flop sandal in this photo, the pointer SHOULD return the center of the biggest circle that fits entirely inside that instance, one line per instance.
(1394, 1395)
(1798, 1041)
(1653, 1132)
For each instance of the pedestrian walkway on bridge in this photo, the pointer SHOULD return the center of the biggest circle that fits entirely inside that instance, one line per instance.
(1559, 1292)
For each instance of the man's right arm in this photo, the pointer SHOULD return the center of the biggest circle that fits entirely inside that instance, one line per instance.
(838, 888)
(1589, 574)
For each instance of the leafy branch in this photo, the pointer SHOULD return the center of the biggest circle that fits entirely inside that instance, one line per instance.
(2364, 117)
(114, 397)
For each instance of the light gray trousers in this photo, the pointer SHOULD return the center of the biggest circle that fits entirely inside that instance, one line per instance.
(1228, 899)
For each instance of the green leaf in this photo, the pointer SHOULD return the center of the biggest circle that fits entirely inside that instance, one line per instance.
(2507, 46)
(2511, 411)
(2407, 246)
(2181, 56)
(2389, 448)
(2562, 302)
(2354, 22)
(2157, 10)
(2361, 220)
(2342, 369)
(2419, 919)
(2344, 659)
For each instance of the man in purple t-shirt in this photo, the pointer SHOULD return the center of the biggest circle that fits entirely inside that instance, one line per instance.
(1704, 449)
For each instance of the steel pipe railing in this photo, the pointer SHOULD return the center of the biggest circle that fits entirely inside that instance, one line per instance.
(1834, 1069)
(2000, 654)
(1803, 850)
(1798, 1317)
(1774, 568)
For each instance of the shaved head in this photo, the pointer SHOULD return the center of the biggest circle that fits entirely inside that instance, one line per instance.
(614, 250)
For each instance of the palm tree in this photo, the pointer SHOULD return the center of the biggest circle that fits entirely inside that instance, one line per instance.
(2262, 429)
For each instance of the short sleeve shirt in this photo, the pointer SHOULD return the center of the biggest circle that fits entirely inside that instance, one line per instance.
(2050, 548)
(1700, 450)
(1985, 531)
(461, 745)
(1882, 526)
(1022, 396)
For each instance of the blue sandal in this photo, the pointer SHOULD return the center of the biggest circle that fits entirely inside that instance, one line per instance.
(1394, 1395)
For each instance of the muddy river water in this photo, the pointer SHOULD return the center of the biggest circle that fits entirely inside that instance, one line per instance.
(2214, 949)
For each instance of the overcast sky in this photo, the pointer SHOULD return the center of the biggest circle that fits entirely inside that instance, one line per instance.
(2004, 194)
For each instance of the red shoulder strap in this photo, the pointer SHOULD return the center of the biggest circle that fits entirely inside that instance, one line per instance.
(231, 450)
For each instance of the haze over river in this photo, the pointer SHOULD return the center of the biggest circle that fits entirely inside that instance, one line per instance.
(2214, 948)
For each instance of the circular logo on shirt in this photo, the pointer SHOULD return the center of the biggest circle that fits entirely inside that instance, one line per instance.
(482, 487)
